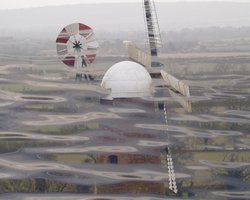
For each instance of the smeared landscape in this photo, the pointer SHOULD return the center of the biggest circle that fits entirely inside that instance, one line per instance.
(60, 140)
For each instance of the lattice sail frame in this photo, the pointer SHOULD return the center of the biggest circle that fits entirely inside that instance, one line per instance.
(152, 27)
(77, 45)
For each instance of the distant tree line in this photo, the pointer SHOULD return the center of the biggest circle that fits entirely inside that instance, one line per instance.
(207, 39)
(208, 34)
(212, 39)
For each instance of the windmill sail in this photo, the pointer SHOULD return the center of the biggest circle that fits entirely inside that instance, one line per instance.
(153, 30)
(175, 84)
(167, 157)
(139, 56)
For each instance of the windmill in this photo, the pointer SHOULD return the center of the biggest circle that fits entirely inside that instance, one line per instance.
(77, 47)
(149, 60)
(154, 40)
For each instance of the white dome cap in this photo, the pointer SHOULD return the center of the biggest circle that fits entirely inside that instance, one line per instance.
(127, 79)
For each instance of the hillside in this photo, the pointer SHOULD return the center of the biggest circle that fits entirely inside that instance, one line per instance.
(123, 17)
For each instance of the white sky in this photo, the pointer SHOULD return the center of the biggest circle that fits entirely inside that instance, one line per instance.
(15, 4)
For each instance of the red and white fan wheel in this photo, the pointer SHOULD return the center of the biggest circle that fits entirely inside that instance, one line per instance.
(77, 45)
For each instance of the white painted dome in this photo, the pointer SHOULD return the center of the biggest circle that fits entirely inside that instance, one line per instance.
(127, 80)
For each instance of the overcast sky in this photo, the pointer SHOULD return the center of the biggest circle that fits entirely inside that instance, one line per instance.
(15, 4)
